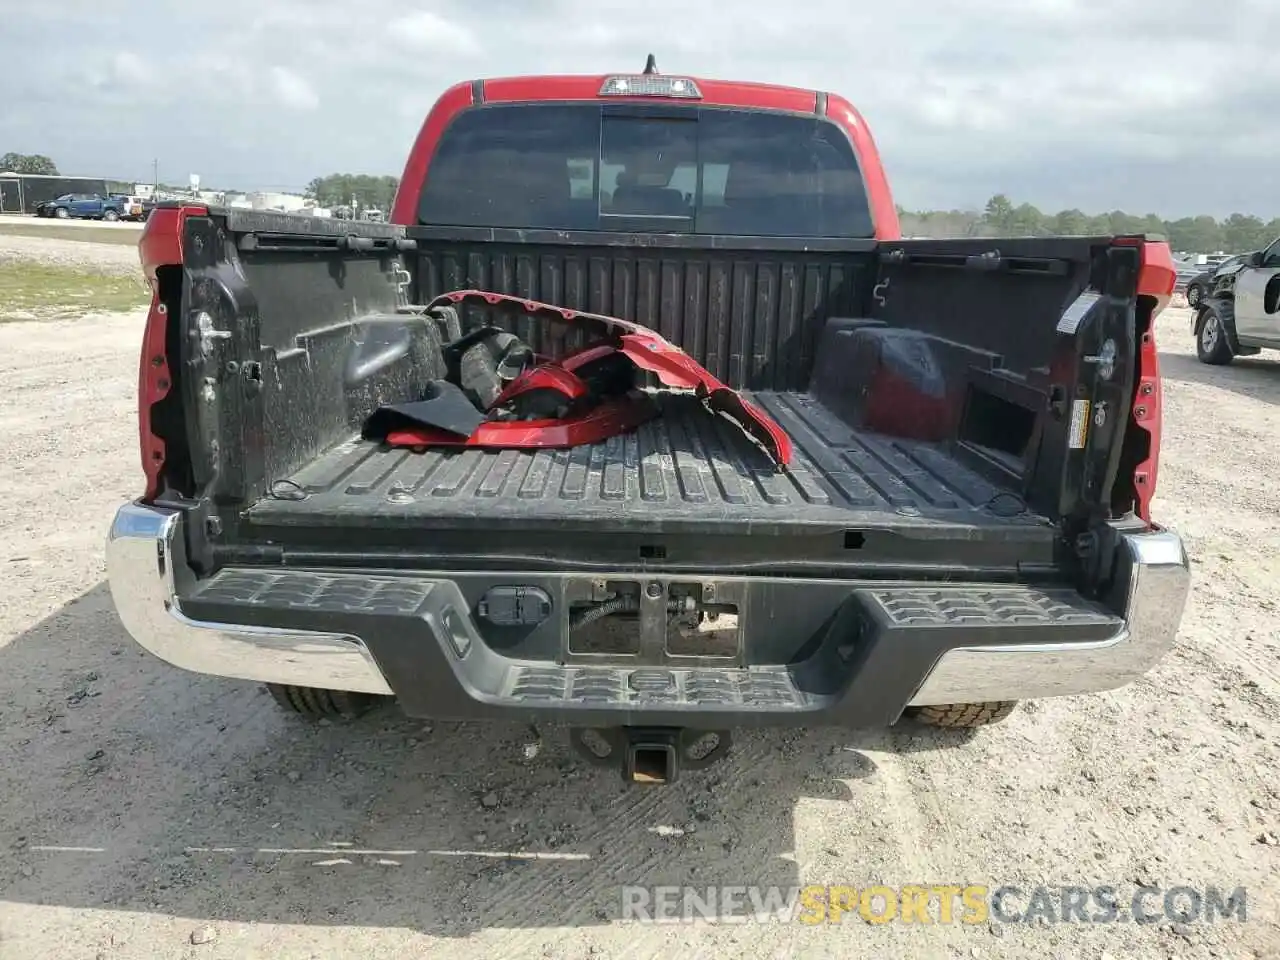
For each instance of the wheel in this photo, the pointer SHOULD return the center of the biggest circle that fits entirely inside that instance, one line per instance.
(1194, 295)
(110, 216)
(1212, 346)
(61, 213)
(314, 703)
(963, 715)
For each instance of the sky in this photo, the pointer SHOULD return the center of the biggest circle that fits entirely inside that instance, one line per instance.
(1167, 107)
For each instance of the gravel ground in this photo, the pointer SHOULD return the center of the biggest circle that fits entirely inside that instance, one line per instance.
(53, 224)
(151, 813)
(113, 259)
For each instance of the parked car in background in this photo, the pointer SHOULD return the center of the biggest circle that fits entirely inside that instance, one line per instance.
(83, 206)
(134, 208)
(1200, 286)
(1240, 313)
(1187, 270)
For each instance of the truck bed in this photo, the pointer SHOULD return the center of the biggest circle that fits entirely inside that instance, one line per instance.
(686, 468)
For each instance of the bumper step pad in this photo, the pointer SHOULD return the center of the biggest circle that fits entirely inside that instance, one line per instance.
(321, 592)
(750, 688)
(986, 607)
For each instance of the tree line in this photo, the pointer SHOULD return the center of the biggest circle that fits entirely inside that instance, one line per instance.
(1238, 233)
(28, 163)
(346, 189)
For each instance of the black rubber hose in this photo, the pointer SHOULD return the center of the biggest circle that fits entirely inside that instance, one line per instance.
(619, 604)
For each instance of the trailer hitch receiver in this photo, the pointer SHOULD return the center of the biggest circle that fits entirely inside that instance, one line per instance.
(650, 755)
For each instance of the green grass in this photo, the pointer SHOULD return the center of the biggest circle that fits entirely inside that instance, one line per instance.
(40, 291)
(83, 234)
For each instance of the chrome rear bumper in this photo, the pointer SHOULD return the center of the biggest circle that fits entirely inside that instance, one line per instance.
(146, 564)
(1153, 582)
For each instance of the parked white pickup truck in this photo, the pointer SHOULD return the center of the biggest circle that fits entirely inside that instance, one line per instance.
(1241, 314)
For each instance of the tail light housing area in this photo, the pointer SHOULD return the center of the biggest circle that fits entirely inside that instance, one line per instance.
(159, 249)
(1156, 278)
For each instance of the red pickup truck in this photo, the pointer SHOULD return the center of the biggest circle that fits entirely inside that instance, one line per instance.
(847, 477)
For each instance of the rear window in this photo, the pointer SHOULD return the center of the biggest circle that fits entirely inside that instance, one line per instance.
(696, 170)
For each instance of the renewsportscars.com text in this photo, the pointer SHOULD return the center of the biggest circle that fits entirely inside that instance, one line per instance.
(940, 903)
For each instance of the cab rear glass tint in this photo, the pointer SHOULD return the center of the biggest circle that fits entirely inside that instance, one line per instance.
(695, 170)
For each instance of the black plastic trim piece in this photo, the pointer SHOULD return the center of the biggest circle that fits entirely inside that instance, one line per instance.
(349, 243)
(640, 242)
(291, 224)
(853, 654)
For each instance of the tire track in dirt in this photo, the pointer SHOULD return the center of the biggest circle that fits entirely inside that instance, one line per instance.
(632, 856)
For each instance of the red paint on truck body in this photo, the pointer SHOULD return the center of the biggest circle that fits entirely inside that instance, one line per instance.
(160, 246)
(1156, 278)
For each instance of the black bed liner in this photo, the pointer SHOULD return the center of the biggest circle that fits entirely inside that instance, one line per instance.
(687, 469)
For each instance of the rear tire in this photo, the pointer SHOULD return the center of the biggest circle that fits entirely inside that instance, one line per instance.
(315, 703)
(1212, 346)
(1194, 295)
(110, 216)
(963, 715)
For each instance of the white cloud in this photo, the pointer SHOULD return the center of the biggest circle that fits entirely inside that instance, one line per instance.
(292, 90)
(427, 31)
(1088, 103)
(131, 68)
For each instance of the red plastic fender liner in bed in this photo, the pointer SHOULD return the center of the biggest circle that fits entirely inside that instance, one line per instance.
(576, 361)
(650, 351)
(545, 376)
(610, 419)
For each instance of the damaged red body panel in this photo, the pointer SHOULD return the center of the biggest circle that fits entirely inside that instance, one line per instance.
(545, 376)
(650, 351)
(610, 419)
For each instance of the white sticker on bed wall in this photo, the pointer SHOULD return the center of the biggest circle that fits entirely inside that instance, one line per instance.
(1069, 322)
(1079, 430)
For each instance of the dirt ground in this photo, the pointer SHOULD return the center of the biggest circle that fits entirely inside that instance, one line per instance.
(142, 808)
(115, 259)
